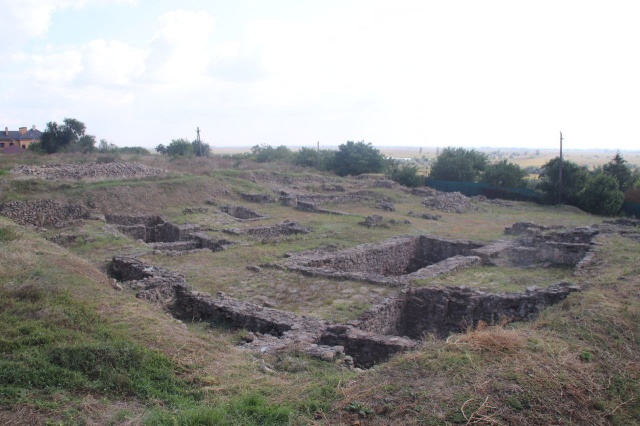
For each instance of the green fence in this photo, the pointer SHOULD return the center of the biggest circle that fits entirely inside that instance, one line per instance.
(632, 209)
(471, 189)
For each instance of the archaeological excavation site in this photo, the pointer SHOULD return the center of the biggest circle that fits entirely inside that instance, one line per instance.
(270, 276)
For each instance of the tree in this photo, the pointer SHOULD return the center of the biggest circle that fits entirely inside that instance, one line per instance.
(620, 171)
(201, 149)
(86, 144)
(355, 158)
(306, 157)
(310, 157)
(62, 137)
(601, 195)
(574, 178)
(105, 146)
(161, 149)
(266, 153)
(459, 164)
(504, 174)
(180, 148)
(405, 174)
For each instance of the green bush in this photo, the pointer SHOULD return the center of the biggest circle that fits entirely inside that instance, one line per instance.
(505, 175)
(267, 153)
(601, 195)
(407, 175)
(356, 158)
(459, 165)
(180, 148)
(574, 178)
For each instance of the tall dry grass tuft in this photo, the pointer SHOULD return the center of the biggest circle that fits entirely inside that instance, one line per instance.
(497, 339)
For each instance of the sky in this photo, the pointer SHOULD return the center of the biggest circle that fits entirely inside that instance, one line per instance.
(417, 73)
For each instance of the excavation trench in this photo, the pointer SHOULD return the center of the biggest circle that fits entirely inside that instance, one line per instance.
(393, 326)
(165, 236)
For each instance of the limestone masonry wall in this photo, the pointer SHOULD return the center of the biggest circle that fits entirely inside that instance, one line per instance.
(442, 310)
(304, 333)
(43, 212)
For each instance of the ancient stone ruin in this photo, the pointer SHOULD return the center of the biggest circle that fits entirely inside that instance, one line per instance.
(241, 213)
(113, 170)
(443, 310)
(43, 212)
(401, 260)
(165, 236)
(271, 329)
(281, 229)
(258, 198)
(387, 329)
(396, 261)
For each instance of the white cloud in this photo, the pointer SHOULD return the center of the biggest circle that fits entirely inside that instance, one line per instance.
(181, 48)
(113, 62)
(27, 19)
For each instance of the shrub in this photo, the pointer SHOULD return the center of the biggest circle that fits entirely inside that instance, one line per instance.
(407, 175)
(309, 157)
(180, 148)
(356, 158)
(574, 178)
(267, 153)
(504, 174)
(601, 195)
(459, 165)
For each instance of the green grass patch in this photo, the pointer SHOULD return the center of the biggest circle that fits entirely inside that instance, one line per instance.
(502, 279)
(8, 234)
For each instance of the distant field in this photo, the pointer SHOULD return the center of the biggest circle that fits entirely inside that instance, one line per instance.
(524, 157)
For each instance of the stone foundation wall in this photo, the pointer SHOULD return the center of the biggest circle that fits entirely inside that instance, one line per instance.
(396, 261)
(259, 198)
(547, 252)
(367, 349)
(241, 213)
(434, 249)
(152, 229)
(383, 318)
(125, 220)
(314, 336)
(285, 228)
(442, 310)
(43, 212)
(392, 257)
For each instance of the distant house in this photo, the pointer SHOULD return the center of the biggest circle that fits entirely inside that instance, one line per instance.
(21, 138)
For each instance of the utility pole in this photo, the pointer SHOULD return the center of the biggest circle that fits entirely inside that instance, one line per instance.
(198, 140)
(560, 173)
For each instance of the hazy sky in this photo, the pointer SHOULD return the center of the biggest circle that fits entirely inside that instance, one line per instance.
(405, 73)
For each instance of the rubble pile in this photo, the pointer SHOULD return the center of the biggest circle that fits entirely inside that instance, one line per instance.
(89, 171)
(450, 202)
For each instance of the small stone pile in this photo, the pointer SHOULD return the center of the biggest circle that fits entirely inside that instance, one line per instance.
(89, 171)
(449, 202)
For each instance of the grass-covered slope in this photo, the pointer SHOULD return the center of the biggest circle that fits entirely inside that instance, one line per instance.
(75, 350)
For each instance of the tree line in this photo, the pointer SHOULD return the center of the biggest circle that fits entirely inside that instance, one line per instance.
(71, 136)
(599, 191)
